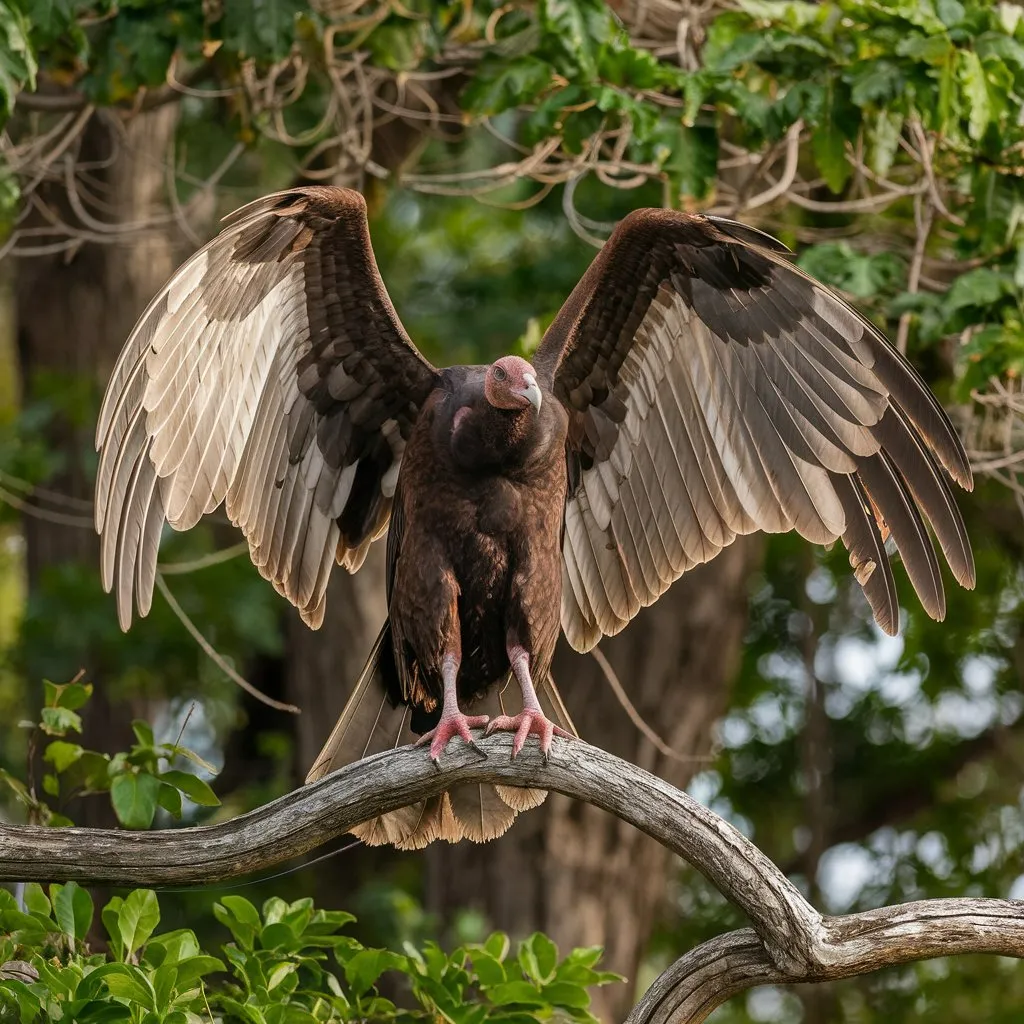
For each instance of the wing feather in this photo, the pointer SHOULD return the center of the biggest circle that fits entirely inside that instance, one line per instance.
(271, 373)
(714, 389)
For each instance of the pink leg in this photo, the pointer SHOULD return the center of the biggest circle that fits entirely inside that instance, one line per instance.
(531, 718)
(453, 722)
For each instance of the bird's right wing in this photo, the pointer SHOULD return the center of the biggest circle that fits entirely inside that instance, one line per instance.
(272, 373)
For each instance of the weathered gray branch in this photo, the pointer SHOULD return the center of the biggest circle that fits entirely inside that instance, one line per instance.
(789, 942)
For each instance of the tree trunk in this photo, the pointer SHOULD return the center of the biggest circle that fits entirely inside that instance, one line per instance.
(569, 869)
(73, 316)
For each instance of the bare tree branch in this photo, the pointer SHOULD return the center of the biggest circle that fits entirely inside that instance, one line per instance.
(790, 941)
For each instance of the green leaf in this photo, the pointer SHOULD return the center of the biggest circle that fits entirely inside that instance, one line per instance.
(172, 947)
(498, 945)
(62, 754)
(279, 973)
(137, 919)
(528, 962)
(927, 49)
(173, 750)
(563, 993)
(51, 784)
(198, 791)
(875, 82)
(828, 143)
(17, 787)
(71, 696)
(793, 13)
(36, 901)
(28, 1002)
(950, 12)
(196, 967)
(143, 733)
(169, 799)
(500, 85)
(363, 970)
(240, 917)
(546, 956)
(488, 969)
(980, 287)
(585, 956)
(73, 909)
(17, 58)
(975, 86)
(1004, 48)
(581, 27)
(134, 797)
(264, 29)
(280, 936)
(59, 721)
(518, 992)
(109, 916)
(132, 984)
(885, 141)
(165, 982)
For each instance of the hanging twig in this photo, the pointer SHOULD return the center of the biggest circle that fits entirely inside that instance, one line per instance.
(212, 653)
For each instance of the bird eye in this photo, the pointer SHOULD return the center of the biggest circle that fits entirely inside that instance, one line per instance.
(499, 373)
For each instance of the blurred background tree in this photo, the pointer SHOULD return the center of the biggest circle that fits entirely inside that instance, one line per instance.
(497, 143)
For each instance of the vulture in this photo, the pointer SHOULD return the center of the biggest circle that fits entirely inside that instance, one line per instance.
(696, 386)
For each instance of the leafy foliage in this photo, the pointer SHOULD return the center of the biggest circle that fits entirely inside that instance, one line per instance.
(139, 781)
(286, 962)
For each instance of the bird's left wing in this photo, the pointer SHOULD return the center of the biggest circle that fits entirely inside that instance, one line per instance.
(272, 373)
(713, 390)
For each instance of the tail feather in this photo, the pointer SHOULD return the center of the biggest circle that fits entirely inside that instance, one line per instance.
(436, 822)
(521, 798)
(369, 724)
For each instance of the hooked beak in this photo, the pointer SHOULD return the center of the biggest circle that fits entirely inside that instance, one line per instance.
(531, 392)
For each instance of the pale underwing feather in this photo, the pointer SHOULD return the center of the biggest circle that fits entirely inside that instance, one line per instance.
(219, 396)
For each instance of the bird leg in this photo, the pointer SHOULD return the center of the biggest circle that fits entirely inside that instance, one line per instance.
(453, 722)
(532, 717)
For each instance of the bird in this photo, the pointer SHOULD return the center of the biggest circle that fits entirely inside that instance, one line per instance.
(696, 386)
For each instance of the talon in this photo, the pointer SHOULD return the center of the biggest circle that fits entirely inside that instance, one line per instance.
(450, 726)
(526, 722)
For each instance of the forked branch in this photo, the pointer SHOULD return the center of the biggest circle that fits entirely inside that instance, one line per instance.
(789, 942)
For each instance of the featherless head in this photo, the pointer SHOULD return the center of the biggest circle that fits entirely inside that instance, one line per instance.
(511, 383)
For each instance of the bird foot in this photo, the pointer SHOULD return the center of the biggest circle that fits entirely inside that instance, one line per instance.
(523, 724)
(450, 726)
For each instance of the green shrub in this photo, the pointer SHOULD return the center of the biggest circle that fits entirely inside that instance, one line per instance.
(289, 963)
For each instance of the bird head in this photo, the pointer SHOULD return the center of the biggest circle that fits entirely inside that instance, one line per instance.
(511, 383)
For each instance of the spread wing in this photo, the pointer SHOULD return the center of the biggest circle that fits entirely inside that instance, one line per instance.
(714, 389)
(272, 373)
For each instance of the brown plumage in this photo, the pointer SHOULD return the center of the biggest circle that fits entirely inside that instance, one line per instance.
(696, 386)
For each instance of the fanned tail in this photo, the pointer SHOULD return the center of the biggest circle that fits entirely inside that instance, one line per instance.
(370, 723)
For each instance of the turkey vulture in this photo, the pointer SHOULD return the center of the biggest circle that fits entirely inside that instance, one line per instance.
(695, 386)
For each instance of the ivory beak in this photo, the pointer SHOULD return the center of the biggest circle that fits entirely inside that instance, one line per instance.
(531, 392)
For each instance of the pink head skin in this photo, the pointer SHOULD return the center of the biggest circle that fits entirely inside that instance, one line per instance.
(511, 383)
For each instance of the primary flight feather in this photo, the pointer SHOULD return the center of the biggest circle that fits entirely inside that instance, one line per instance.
(696, 386)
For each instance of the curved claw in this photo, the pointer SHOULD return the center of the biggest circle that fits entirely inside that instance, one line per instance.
(447, 729)
(523, 724)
